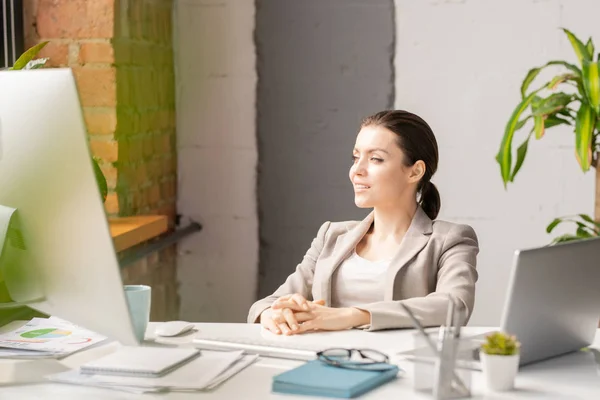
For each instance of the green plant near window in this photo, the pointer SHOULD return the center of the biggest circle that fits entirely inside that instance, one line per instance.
(27, 61)
(569, 98)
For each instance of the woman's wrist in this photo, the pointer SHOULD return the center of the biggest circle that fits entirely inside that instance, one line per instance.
(359, 317)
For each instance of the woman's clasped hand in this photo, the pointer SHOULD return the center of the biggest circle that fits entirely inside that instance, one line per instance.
(293, 314)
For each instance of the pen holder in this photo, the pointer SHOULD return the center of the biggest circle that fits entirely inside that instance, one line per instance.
(444, 376)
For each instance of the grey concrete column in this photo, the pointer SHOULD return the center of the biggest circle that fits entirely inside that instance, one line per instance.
(322, 66)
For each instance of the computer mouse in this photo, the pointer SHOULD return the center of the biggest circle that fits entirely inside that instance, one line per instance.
(173, 328)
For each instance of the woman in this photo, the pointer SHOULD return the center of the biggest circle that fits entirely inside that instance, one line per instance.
(356, 274)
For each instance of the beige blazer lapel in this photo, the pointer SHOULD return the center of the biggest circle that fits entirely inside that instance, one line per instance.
(343, 247)
(415, 238)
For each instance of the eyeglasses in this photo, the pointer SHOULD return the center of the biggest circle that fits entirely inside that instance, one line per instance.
(363, 359)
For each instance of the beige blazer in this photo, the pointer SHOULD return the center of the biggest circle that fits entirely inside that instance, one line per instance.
(435, 258)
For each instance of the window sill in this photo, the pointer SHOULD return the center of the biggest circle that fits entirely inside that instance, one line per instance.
(130, 231)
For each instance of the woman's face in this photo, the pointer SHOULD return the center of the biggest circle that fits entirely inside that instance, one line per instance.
(378, 173)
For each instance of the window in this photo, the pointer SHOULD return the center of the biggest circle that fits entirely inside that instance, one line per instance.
(11, 32)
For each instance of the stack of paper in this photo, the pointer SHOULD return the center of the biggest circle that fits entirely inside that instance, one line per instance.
(204, 372)
(46, 338)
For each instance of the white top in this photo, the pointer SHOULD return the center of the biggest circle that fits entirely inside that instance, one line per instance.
(357, 272)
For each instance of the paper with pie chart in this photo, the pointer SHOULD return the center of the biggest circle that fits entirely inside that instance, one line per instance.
(51, 335)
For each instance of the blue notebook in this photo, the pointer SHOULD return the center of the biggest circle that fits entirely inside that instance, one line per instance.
(315, 378)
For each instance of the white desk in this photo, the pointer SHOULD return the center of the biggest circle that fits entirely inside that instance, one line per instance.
(574, 376)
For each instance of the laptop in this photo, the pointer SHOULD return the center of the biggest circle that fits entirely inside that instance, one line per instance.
(553, 302)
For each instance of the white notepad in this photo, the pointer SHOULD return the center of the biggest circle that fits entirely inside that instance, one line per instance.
(141, 361)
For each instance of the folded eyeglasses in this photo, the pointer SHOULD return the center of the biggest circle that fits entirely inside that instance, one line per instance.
(360, 359)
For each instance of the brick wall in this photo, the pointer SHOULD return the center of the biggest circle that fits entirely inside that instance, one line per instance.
(84, 44)
(146, 107)
(121, 54)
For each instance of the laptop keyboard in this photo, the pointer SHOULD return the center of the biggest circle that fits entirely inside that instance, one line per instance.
(260, 347)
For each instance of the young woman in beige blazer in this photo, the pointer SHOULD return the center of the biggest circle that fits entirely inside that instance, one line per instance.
(420, 261)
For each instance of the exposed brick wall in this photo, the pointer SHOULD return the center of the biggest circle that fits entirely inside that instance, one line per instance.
(74, 29)
(146, 111)
(121, 54)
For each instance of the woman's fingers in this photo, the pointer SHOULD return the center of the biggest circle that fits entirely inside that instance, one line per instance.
(294, 301)
(297, 298)
(294, 304)
(290, 319)
(307, 326)
(271, 326)
(301, 301)
(286, 297)
(285, 329)
(289, 304)
(267, 320)
(278, 323)
(304, 316)
(287, 322)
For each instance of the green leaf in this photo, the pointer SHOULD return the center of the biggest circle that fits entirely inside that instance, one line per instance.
(552, 104)
(531, 75)
(583, 233)
(580, 50)
(535, 103)
(534, 72)
(100, 179)
(28, 56)
(592, 225)
(500, 343)
(581, 225)
(591, 83)
(565, 238)
(553, 224)
(558, 79)
(567, 65)
(504, 156)
(597, 226)
(521, 123)
(554, 120)
(587, 218)
(584, 130)
(590, 48)
(538, 126)
(521, 153)
(567, 112)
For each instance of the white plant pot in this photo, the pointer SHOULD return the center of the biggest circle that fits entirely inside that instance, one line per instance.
(499, 371)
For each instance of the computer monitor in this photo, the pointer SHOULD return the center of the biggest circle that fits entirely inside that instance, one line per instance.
(67, 265)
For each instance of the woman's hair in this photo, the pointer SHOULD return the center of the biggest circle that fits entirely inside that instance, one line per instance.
(417, 141)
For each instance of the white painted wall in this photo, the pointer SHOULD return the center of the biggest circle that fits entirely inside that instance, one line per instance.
(216, 94)
(460, 64)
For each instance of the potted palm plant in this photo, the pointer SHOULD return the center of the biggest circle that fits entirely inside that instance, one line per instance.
(28, 61)
(499, 356)
(570, 98)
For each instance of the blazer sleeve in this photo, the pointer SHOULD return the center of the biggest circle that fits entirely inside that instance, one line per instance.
(456, 277)
(300, 281)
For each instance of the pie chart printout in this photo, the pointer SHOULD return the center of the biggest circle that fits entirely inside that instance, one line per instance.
(49, 333)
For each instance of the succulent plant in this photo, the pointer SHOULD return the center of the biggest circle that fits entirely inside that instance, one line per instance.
(500, 343)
